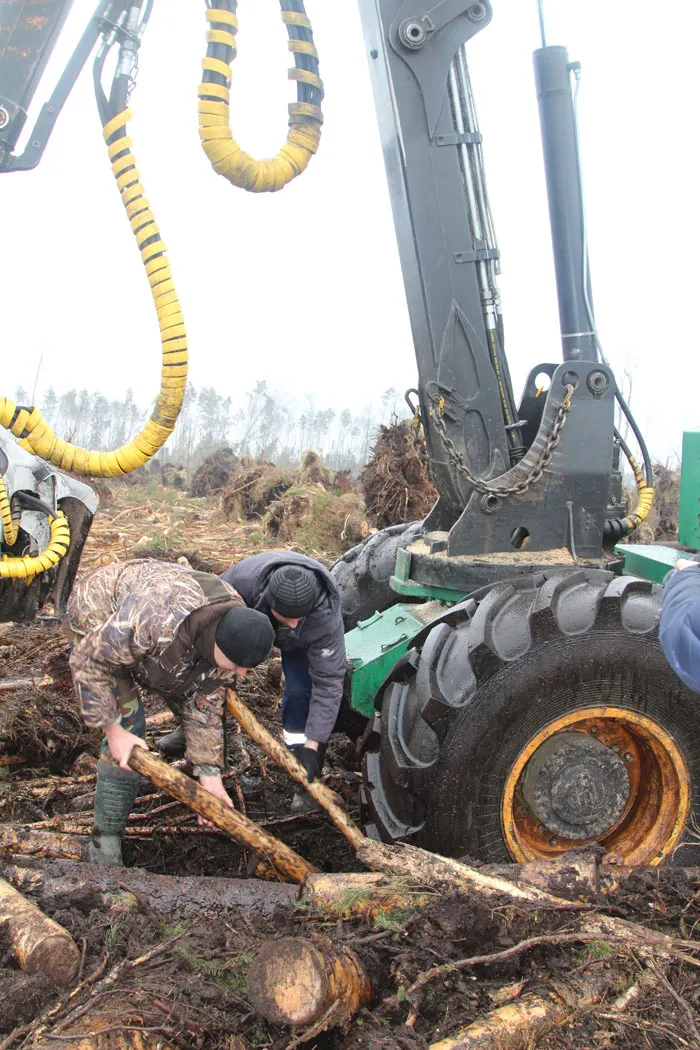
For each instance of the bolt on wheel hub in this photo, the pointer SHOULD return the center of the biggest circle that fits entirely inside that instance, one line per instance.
(576, 786)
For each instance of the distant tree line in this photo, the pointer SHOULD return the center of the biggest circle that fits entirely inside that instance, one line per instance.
(266, 425)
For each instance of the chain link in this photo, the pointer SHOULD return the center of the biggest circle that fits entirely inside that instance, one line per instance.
(458, 462)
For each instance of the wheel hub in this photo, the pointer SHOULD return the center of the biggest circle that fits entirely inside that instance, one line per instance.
(576, 786)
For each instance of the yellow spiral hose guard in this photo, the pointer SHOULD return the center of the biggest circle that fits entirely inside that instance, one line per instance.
(29, 425)
(305, 119)
(30, 566)
(645, 497)
(9, 519)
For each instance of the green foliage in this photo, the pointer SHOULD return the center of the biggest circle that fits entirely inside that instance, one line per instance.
(600, 950)
(230, 973)
(114, 930)
(391, 920)
(349, 899)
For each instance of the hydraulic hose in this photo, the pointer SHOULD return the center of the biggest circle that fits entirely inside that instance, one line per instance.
(645, 492)
(28, 567)
(305, 116)
(8, 518)
(29, 425)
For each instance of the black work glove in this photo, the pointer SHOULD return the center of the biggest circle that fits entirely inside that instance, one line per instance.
(311, 761)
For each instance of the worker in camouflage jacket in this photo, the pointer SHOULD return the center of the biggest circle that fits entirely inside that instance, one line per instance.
(173, 631)
(301, 601)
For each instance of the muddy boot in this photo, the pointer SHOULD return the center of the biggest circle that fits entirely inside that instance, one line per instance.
(114, 800)
(302, 802)
(172, 745)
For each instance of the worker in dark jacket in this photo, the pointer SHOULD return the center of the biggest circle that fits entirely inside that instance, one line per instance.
(679, 629)
(174, 631)
(301, 600)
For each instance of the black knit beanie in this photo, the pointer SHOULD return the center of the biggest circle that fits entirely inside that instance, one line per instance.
(245, 636)
(293, 590)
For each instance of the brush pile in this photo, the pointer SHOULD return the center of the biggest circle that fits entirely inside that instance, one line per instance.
(252, 486)
(214, 472)
(395, 483)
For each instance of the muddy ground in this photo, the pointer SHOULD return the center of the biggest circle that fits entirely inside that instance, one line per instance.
(181, 978)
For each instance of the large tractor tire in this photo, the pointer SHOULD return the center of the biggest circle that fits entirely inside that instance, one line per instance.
(363, 573)
(539, 719)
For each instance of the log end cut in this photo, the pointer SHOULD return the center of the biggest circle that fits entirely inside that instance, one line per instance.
(56, 956)
(294, 982)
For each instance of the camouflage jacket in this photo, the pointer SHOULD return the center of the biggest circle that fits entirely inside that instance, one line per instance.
(143, 616)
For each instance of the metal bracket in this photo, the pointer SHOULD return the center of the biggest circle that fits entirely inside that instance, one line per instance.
(469, 138)
(481, 255)
(414, 29)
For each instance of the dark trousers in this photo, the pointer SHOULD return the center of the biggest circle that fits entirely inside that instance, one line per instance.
(297, 690)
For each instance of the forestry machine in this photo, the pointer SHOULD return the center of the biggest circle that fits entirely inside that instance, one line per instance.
(515, 701)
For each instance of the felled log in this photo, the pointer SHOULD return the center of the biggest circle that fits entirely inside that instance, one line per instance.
(444, 874)
(512, 1026)
(293, 981)
(40, 944)
(574, 875)
(10, 685)
(275, 854)
(39, 843)
(69, 883)
(286, 761)
(359, 894)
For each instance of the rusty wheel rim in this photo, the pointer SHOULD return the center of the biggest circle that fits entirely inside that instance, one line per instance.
(657, 807)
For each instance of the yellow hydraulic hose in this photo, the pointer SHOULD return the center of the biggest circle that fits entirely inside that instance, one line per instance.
(8, 519)
(30, 426)
(645, 497)
(28, 567)
(305, 120)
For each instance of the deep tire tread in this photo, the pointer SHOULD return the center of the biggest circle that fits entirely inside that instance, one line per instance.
(455, 661)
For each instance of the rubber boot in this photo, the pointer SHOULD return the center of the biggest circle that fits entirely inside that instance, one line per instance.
(172, 745)
(302, 802)
(114, 800)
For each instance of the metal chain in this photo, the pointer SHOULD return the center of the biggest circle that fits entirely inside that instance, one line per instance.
(457, 459)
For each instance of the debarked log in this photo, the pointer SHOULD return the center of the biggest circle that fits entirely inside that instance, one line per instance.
(446, 875)
(297, 982)
(359, 894)
(274, 853)
(40, 843)
(514, 1025)
(40, 944)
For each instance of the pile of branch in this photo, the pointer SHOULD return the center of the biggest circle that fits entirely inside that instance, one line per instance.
(213, 473)
(395, 483)
(251, 487)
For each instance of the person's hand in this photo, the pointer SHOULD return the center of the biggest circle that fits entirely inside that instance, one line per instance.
(310, 760)
(121, 743)
(684, 563)
(215, 786)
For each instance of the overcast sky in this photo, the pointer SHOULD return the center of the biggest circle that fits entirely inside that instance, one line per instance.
(303, 288)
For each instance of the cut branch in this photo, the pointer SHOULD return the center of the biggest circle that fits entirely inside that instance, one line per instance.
(276, 854)
(286, 761)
